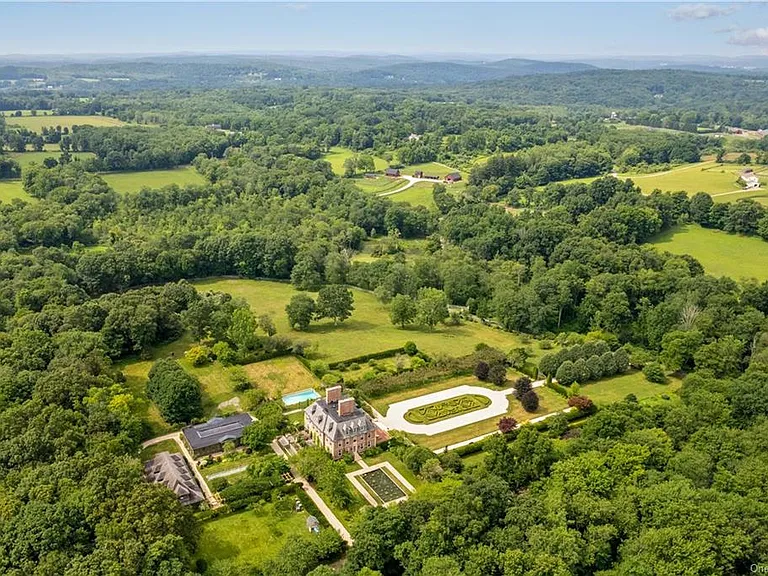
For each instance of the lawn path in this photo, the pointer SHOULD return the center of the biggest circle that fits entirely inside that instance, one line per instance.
(319, 502)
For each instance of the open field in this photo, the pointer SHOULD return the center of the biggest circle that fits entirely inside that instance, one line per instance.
(368, 330)
(760, 196)
(37, 123)
(720, 253)
(249, 537)
(437, 411)
(420, 194)
(708, 177)
(281, 376)
(431, 169)
(549, 401)
(128, 182)
(338, 154)
(412, 247)
(617, 388)
(10, 189)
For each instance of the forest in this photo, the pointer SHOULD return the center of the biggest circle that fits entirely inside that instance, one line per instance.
(91, 278)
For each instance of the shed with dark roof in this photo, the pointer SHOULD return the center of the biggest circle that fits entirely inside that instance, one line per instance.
(172, 471)
(210, 436)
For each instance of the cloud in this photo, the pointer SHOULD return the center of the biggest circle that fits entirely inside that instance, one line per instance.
(701, 11)
(297, 7)
(750, 37)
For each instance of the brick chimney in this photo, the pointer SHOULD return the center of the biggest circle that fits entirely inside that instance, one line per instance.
(333, 394)
(346, 406)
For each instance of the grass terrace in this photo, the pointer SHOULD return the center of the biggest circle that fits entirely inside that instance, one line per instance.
(281, 376)
(445, 409)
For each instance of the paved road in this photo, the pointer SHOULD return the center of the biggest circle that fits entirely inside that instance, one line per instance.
(395, 417)
(213, 500)
(319, 502)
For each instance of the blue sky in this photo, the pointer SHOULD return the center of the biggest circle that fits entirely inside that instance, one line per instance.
(514, 29)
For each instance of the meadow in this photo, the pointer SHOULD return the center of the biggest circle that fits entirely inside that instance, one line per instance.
(420, 194)
(251, 537)
(368, 330)
(128, 182)
(720, 253)
(37, 123)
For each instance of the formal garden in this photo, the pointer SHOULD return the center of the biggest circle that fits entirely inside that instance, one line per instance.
(382, 485)
(437, 411)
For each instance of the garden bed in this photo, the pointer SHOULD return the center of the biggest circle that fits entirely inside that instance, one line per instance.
(382, 486)
(449, 408)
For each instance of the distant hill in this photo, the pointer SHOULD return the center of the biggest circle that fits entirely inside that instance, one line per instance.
(451, 72)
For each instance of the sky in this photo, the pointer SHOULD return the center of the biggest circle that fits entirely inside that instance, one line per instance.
(543, 29)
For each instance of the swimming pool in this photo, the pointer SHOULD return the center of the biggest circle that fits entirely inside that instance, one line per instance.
(299, 397)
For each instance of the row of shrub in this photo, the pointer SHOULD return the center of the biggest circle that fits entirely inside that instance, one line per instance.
(549, 363)
(438, 370)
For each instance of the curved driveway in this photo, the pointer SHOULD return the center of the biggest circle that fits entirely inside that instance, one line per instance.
(395, 417)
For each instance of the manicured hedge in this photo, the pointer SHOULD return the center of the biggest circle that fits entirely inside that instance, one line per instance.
(365, 357)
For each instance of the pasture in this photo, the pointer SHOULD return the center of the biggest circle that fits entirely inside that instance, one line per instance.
(251, 537)
(720, 253)
(369, 328)
(708, 177)
(37, 123)
(129, 182)
(615, 389)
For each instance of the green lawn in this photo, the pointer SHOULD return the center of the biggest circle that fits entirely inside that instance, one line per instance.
(249, 538)
(241, 460)
(37, 123)
(549, 401)
(617, 388)
(281, 376)
(708, 177)
(437, 411)
(420, 194)
(380, 184)
(412, 247)
(164, 446)
(135, 181)
(26, 158)
(720, 253)
(10, 189)
(431, 169)
(368, 330)
(338, 154)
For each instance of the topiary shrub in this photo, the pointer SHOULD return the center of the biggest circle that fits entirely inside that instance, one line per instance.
(497, 374)
(410, 348)
(530, 401)
(482, 371)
